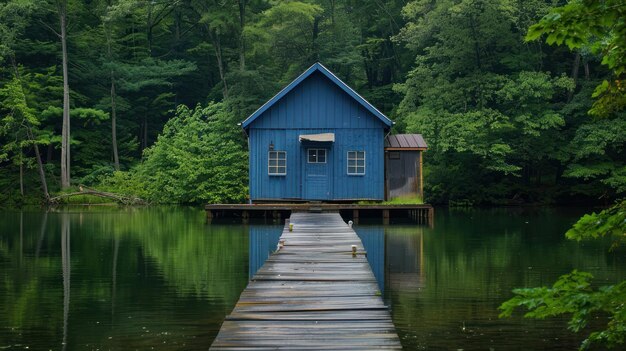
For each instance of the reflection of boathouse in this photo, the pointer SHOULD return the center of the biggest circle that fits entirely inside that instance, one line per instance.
(395, 253)
(404, 250)
(263, 240)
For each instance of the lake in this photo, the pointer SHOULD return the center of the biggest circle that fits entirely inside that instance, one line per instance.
(161, 278)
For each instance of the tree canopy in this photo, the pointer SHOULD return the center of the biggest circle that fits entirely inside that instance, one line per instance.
(507, 119)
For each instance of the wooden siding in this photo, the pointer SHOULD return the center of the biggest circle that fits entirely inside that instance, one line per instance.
(317, 105)
(403, 174)
(341, 185)
(319, 69)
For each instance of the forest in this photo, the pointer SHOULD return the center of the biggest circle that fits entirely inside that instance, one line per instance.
(143, 97)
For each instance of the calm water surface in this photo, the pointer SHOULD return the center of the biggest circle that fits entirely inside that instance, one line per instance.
(162, 279)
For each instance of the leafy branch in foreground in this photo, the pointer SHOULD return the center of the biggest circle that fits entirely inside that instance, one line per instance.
(609, 223)
(573, 293)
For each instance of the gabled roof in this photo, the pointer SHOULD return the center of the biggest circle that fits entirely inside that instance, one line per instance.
(405, 142)
(317, 67)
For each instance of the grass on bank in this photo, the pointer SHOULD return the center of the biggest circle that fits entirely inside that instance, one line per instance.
(402, 200)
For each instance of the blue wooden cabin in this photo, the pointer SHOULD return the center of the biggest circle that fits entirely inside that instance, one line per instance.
(317, 139)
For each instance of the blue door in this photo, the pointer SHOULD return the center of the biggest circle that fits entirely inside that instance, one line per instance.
(316, 173)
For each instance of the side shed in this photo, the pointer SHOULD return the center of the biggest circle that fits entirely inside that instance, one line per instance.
(403, 166)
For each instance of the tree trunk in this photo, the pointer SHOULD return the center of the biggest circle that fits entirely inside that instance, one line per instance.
(574, 76)
(49, 153)
(116, 159)
(31, 138)
(242, 43)
(149, 28)
(144, 133)
(316, 31)
(215, 38)
(42, 173)
(65, 133)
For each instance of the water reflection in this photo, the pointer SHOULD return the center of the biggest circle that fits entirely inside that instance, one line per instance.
(110, 278)
(263, 240)
(395, 254)
(67, 271)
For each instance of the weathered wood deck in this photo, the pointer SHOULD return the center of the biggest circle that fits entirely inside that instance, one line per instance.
(313, 294)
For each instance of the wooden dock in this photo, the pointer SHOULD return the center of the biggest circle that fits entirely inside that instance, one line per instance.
(420, 213)
(312, 294)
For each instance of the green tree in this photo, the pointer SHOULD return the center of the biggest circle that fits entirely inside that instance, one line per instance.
(600, 25)
(477, 97)
(196, 159)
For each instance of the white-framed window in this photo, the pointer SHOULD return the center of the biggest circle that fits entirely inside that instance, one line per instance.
(356, 162)
(277, 163)
(316, 156)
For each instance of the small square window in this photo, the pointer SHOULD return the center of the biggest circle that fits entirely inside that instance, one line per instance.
(277, 163)
(316, 156)
(356, 162)
(394, 155)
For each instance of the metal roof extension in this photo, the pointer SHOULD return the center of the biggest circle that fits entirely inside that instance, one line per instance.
(405, 142)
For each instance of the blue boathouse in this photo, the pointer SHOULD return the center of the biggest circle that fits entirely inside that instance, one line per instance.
(317, 139)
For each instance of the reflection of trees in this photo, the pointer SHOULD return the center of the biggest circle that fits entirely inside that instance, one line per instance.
(66, 263)
(472, 261)
(124, 260)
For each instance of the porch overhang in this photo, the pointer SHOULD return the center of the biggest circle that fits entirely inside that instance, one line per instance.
(318, 138)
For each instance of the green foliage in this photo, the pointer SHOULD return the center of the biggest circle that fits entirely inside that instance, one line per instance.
(598, 154)
(503, 111)
(197, 159)
(599, 26)
(609, 223)
(508, 116)
(574, 295)
(405, 200)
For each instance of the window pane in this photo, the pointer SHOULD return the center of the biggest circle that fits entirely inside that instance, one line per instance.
(277, 163)
(311, 156)
(356, 162)
(321, 156)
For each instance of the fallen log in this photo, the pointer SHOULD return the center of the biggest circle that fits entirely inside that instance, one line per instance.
(122, 199)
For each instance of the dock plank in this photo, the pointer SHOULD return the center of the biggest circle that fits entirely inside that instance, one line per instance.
(313, 294)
